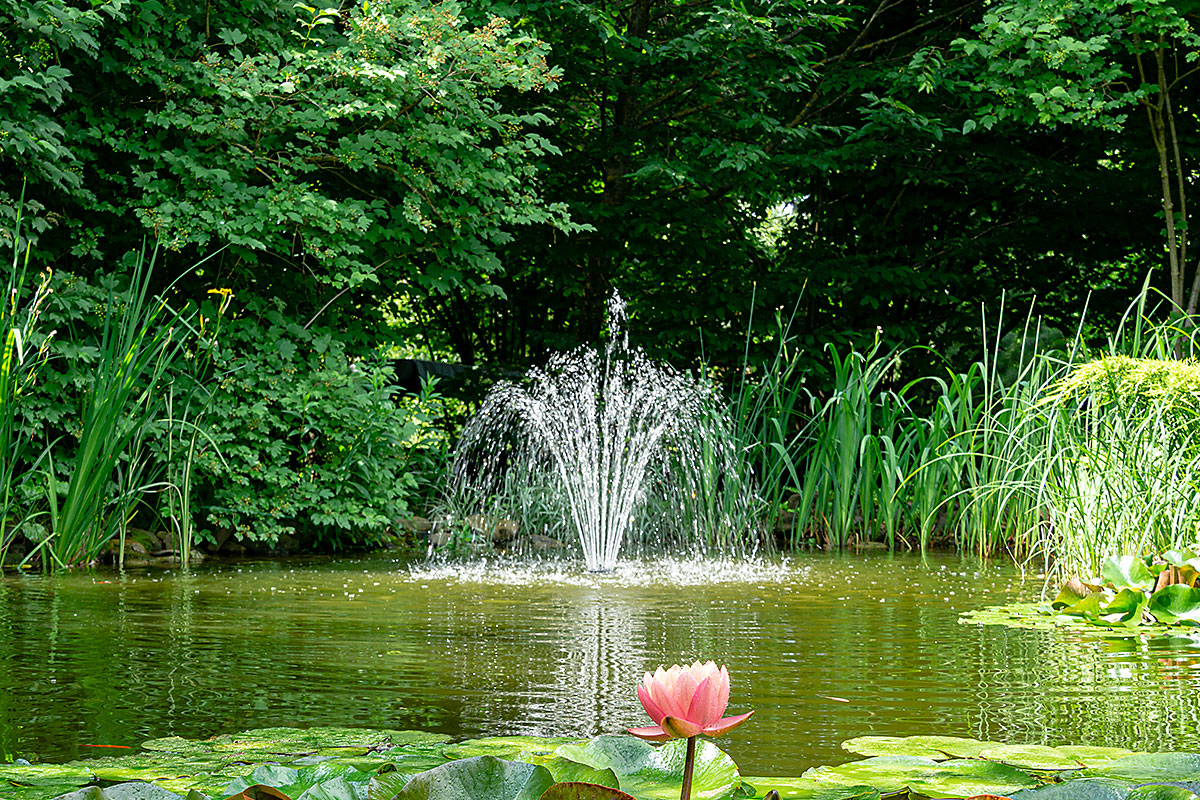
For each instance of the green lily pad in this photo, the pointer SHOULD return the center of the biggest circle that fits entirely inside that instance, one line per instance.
(1182, 558)
(41, 792)
(133, 790)
(810, 789)
(1161, 792)
(888, 774)
(1150, 768)
(1176, 605)
(508, 746)
(1127, 572)
(1093, 756)
(565, 770)
(387, 785)
(892, 746)
(953, 746)
(957, 778)
(45, 774)
(1071, 593)
(479, 778)
(649, 773)
(1078, 789)
(335, 789)
(578, 790)
(1030, 756)
(968, 778)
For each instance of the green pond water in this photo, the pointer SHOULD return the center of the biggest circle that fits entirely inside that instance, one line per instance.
(823, 647)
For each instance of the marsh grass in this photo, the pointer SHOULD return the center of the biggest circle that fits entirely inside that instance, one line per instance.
(23, 351)
(109, 470)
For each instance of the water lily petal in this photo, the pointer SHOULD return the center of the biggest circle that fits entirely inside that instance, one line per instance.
(680, 728)
(653, 733)
(723, 726)
(653, 709)
(705, 708)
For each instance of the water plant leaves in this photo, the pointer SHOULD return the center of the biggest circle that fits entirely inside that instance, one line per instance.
(1151, 767)
(967, 777)
(565, 770)
(1093, 756)
(1161, 792)
(953, 746)
(1125, 608)
(45, 774)
(888, 774)
(1176, 605)
(1127, 571)
(955, 778)
(648, 772)
(479, 778)
(132, 790)
(1071, 593)
(258, 791)
(334, 789)
(1078, 789)
(810, 789)
(1030, 756)
(508, 746)
(892, 746)
(578, 790)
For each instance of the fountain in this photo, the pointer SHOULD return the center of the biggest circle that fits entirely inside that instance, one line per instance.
(620, 440)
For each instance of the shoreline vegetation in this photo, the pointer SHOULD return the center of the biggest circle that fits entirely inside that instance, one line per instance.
(1045, 451)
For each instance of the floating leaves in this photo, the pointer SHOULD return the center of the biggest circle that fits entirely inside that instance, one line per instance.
(349, 764)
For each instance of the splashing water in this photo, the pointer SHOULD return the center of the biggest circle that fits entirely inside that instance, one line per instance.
(621, 441)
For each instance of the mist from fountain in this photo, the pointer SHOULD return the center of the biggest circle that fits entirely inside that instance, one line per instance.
(622, 440)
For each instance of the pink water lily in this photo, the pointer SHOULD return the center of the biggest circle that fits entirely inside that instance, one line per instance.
(685, 702)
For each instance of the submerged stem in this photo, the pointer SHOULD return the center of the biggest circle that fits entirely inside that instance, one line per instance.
(688, 765)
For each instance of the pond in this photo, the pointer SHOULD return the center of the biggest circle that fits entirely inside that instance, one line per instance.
(824, 647)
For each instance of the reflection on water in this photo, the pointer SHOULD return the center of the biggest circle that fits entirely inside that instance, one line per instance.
(825, 647)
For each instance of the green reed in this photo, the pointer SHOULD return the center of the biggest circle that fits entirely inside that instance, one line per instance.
(109, 469)
(23, 351)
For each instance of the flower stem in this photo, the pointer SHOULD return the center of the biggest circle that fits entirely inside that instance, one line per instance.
(688, 765)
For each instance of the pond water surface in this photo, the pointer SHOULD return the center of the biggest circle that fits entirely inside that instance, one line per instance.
(823, 647)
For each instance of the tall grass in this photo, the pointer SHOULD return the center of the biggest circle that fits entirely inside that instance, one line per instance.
(108, 470)
(23, 350)
(1071, 455)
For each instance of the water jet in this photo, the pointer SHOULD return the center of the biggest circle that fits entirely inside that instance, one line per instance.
(606, 444)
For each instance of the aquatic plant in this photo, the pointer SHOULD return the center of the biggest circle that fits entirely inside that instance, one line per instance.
(23, 351)
(685, 702)
(348, 764)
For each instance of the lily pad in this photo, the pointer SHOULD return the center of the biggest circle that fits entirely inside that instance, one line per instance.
(888, 774)
(1078, 789)
(956, 778)
(953, 746)
(1151, 768)
(1176, 605)
(1093, 756)
(577, 790)
(892, 746)
(968, 777)
(565, 770)
(1161, 792)
(508, 746)
(1030, 756)
(649, 773)
(479, 778)
(45, 774)
(132, 790)
(810, 789)
(42, 792)
(1127, 571)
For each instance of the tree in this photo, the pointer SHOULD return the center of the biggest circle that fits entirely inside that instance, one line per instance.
(330, 152)
(1059, 63)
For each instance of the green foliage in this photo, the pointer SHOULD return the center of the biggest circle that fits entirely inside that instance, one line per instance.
(302, 437)
(342, 764)
(367, 146)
